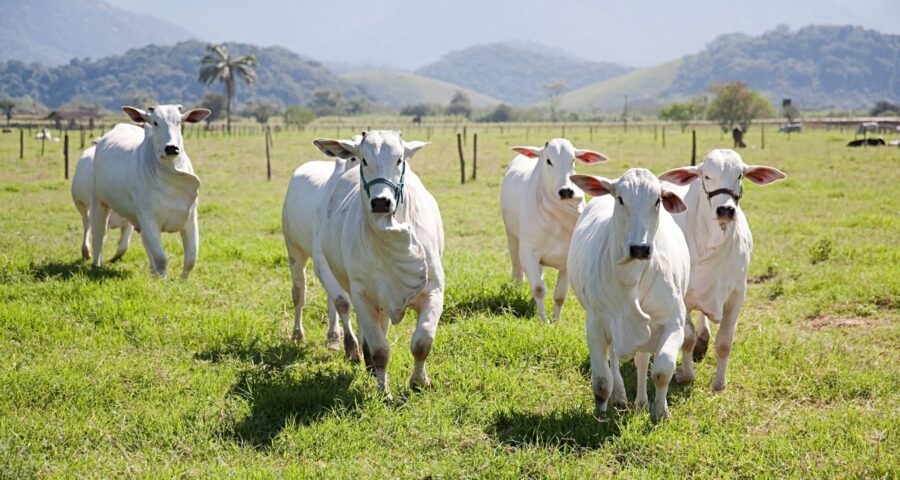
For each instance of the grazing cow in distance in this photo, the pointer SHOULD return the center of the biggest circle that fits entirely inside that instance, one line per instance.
(307, 193)
(719, 240)
(540, 207)
(738, 136)
(629, 267)
(144, 174)
(82, 190)
(381, 239)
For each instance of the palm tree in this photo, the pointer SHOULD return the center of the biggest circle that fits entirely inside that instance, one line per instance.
(219, 65)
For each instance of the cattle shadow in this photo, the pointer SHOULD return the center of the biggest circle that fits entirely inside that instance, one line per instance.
(272, 356)
(567, 430)
(677, 393)
(56, 270)
(278, 399)
(508, 300)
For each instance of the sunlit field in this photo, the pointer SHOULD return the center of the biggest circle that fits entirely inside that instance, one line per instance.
(110, 372)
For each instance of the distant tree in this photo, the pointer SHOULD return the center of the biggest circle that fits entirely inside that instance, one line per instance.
(735, 104)
(460, 105)
(262, 111)
(327, 102)
(884, 108)
(790, 113)
(682, 113)
(219, 65)
(298, 115)
(421, 109)
(8, 106)
(554, 92)
(138, 98)
(359, 105)
(216, 104)
(500, 113)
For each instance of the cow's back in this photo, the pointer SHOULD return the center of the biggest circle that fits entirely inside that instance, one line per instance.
(515, 189)
(115, 168)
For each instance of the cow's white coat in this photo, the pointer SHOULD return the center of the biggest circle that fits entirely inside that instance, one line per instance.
(82, 190)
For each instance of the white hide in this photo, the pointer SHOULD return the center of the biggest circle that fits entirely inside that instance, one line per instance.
(82, 190)
(633, 306)
(538, 221)
(137, 176)
(720, 250)
(307, 193)
(390, 261)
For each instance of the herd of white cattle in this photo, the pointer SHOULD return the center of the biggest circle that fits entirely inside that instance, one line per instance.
(643, 254)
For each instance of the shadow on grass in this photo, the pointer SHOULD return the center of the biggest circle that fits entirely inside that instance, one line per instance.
(278, 399)
(565, 430)
(276, 356)
(509, 300)
(55, 270)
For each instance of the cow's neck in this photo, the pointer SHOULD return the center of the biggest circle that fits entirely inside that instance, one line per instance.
(177, 172)
(552, 210)
(709, 237)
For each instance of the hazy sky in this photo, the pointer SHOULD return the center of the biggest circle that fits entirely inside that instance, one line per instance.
(411, 33)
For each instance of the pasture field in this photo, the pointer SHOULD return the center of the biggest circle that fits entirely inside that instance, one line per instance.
(111, 373)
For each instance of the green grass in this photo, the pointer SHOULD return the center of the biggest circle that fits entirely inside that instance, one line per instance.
(111, 373)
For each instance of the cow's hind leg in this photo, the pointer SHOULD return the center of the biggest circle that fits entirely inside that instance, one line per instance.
(664, 368)
(297, 259)
(333, 340)
(535, 274)
(601, 375)
(702, 334)
(618, 398)
(641, 363)
(559, 294)
(725, 339)
(124, 242)
(513, 242)
(86, 235)
(423, 338)
(99, 218)
(686, 373)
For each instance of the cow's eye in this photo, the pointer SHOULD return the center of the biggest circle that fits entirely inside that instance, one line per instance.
(548, 162)
(621, 202)
(155, 123)
(706, 177)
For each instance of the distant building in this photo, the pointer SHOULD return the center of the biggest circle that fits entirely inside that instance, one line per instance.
(73, 118)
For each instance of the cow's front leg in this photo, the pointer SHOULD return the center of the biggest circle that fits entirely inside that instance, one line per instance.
(641, 363)
(725, 338)
(535, 274)
(601, 376)
(618, 398)
(559, 295)
(152, 239)
(374, 332)
(429, 315)
(686, 372)
(664, 367)
(190, 238)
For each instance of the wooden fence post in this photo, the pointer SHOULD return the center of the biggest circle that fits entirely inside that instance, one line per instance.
(462, 162)
(268, 138)
(474, 156)
(664, 136)
(82, 136)
(66, 153)
(43, 141)
(693, 147)
(21, 144)
(762, 134)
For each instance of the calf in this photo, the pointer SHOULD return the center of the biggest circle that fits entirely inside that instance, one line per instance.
(144, 174)
(719, 240)
(381, 239)
(629, 269)
(540, 206)
(82, 190)
(307, 193)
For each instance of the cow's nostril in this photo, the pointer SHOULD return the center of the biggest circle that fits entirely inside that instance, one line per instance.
(172, 149)
(566, 193)
(381, 205)
(725, 211)
(639, 251)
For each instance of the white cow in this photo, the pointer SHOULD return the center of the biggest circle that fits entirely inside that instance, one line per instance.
(82, 189)
(145, 175)
(718, 237)
(307, 192)
(381, 238)
(629, 269)
(540, 206)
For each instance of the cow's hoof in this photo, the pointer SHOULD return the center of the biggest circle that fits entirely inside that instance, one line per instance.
(333, 342)
(419, 384)
(700, 349)
(718, 387)
(640, 404)
(298, 336)
(682, 378)
(658, 415)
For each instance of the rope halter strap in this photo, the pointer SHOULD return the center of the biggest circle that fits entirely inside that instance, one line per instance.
(723, 191)
(396, 187)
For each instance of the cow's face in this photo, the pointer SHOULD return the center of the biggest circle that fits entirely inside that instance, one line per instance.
(721, 175)
(383, 157)
(638, 198)
(556, 163)
(164, 124)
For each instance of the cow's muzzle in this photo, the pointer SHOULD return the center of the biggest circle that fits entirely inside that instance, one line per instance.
(566, 193)
(640, 252)
(381, 205)
(725, 212)
(172, 150)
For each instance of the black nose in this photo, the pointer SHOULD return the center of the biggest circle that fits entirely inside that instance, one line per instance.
(172, 150)
(566, 193)
(725, 211)
(639, 251)
(381, 205)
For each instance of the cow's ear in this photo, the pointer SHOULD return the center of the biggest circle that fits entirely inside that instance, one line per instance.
(195, 115)
(593, 186)
(530, 152)
(588, 156)
(672, 202)
(135, 114)
(412, 147)
(681, 176)
(345, 149)
(762, 175)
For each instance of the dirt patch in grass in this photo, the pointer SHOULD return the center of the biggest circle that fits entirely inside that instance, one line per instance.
(828, 321)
